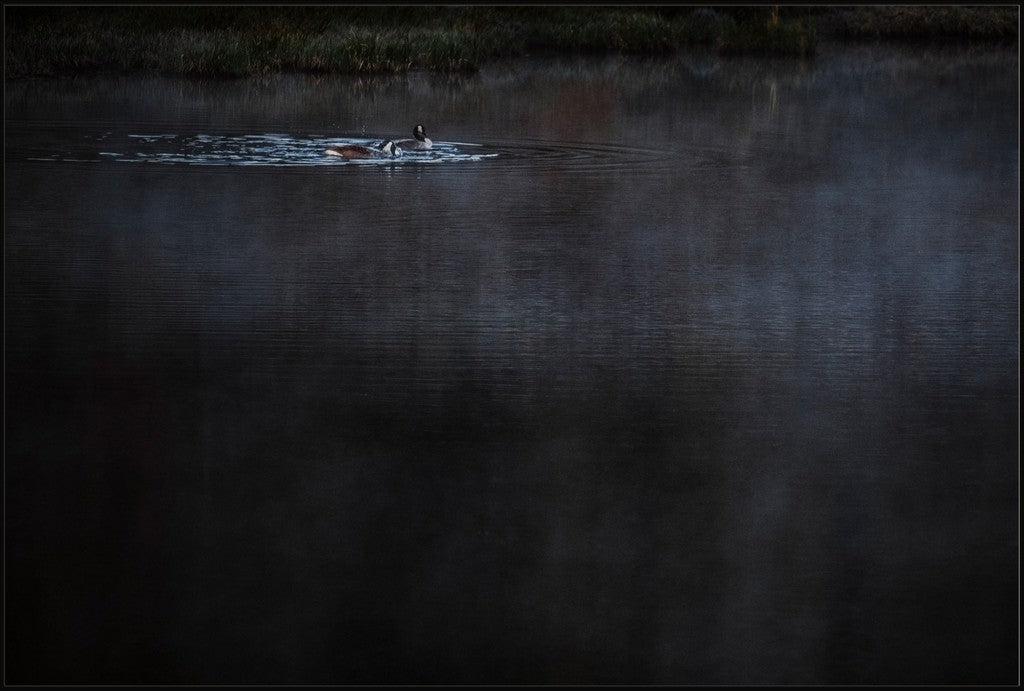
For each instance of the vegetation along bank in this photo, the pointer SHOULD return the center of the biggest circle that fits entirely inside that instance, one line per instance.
(249, 40)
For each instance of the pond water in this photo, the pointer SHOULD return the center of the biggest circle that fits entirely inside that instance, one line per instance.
(686, 370)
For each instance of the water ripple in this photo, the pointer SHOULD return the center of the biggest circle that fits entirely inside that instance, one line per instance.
(284, 150)
(269, 150)
(582, 156)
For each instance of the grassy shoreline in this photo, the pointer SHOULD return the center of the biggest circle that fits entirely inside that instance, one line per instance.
(248, 40)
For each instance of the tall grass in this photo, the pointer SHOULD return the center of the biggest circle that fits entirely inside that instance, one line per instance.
(768, 37)
(228, 40)
(926, 23)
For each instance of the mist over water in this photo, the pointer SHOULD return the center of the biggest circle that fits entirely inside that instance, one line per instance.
(673, 371)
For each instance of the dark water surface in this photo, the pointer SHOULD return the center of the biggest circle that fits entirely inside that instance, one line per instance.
(658, 371)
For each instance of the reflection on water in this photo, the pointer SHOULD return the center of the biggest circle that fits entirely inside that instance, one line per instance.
(691, 371)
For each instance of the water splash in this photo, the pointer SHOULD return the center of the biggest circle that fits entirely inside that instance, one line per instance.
(270, 149)
(284, 150)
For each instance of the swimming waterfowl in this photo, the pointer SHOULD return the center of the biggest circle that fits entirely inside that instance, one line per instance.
(384, 150)
(420, 143)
